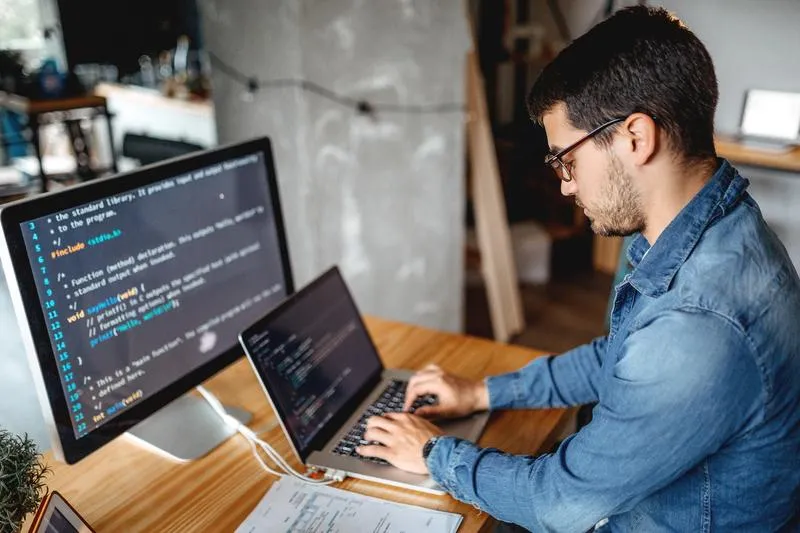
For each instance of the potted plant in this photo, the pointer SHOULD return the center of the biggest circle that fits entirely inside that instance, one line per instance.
(22, 474)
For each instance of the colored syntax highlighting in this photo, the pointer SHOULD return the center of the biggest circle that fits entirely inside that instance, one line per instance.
(129, 279)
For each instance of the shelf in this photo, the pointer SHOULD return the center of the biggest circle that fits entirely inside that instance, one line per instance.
(26, 106)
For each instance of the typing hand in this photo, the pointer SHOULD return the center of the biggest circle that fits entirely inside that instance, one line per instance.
(456, 396)
(402, 437)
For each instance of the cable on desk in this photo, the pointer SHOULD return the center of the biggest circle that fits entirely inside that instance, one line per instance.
(255, 443)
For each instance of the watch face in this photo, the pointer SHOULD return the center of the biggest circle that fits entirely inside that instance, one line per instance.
(426, 450)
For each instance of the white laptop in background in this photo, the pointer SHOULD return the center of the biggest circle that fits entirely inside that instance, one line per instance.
(321, 372)
(770, 120)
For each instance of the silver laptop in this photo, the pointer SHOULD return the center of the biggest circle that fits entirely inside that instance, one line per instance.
(770, 120)
(321, 372)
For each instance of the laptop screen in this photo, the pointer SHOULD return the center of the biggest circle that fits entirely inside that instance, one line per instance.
(771, 114)
(315, 358)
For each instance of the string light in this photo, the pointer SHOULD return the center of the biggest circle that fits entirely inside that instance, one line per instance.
(253, 85)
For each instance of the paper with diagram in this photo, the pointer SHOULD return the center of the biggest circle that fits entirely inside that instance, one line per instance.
(292, 506)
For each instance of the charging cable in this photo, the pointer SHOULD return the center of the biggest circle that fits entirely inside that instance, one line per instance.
(257, 444)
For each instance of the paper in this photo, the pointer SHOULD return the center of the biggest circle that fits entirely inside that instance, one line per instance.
(292, 506)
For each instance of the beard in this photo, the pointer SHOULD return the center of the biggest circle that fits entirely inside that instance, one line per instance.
(618, 212)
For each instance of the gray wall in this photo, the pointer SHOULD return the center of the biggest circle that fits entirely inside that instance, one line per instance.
(382, 198)
(754, 44)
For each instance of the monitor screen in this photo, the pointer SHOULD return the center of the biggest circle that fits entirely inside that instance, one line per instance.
(314, 356)
(145, 281)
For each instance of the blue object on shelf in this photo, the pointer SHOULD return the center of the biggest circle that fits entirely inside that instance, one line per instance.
(12, 127)
(51, 81)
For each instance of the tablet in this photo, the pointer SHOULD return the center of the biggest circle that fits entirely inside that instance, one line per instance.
(55, 515)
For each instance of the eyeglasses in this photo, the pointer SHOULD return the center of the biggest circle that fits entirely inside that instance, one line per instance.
(562, 169)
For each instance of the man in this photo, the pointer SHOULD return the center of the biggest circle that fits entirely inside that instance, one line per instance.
(697, 426)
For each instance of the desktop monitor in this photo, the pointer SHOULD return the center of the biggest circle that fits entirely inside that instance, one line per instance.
(132, 290)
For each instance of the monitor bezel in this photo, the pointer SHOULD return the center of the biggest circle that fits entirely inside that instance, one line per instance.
(31, 316)
(340, 417)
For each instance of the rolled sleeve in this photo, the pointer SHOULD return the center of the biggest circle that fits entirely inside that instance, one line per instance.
(678, 401)
(450, 460)
(446, 457)
(555, 381)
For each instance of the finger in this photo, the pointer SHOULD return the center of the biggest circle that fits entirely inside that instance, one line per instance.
(421, 377)
(379, 435)
(415, 388)
(383, 423)
(381, 452)
(429, 411)
(398, 417)
(432, 386)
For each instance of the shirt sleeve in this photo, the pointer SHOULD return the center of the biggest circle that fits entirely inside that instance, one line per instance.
(684, 385)
(556, 381)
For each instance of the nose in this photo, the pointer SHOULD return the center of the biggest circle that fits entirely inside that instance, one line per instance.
(569, 188)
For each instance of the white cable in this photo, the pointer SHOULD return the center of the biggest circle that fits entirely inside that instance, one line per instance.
(261, 461)
(255, 443)
(246, 432)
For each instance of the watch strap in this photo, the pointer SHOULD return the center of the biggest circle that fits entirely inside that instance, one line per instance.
(426, 450)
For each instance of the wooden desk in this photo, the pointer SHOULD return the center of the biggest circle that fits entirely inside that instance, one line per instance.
(122, 487)
(744, 155)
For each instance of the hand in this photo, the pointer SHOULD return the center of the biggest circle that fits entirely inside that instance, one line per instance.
(403, 436)
(457, 396)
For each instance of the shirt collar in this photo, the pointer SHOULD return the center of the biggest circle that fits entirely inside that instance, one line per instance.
(655, 266)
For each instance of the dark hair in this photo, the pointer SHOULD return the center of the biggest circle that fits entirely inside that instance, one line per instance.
(638, 60)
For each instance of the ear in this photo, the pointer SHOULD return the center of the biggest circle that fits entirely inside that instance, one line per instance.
(640, 135)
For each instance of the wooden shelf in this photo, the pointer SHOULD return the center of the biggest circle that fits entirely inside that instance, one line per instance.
(736, 152)
(26, 106)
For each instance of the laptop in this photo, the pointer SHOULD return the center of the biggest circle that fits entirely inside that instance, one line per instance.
(770, 120)
(322, 374)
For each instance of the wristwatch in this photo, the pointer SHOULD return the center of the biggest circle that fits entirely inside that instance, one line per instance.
(426, 450)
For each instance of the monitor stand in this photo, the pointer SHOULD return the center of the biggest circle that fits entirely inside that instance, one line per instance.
(186, 429)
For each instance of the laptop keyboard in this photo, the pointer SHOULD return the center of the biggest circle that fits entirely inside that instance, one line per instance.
(390, 401)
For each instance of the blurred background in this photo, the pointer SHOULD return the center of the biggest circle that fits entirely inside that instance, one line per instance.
(378, 119)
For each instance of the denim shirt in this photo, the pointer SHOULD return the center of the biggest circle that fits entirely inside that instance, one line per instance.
(697, 425)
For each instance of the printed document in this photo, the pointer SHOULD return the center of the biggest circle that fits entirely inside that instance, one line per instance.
(292, 506)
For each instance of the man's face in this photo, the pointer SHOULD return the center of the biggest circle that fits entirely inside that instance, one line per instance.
(600, 183)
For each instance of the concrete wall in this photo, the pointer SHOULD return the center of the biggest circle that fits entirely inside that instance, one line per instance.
(381, 197)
